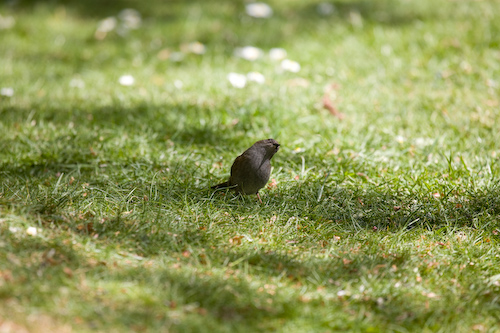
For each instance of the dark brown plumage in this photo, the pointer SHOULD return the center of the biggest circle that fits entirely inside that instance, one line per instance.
(251, 170)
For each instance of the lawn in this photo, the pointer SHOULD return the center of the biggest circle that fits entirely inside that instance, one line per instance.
(383, 212)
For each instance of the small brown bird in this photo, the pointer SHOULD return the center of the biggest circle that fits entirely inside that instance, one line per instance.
(251, 170)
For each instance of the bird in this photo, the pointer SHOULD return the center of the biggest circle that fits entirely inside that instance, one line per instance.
(251, 170)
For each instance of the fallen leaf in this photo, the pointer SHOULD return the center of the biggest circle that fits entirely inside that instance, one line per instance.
(304, 299)
(236, 240)
(328, 104)
(68, 271)
(272, 184)
(430, 295)
(479, 327)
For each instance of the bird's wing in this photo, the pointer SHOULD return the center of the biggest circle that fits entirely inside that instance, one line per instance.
(242, 165)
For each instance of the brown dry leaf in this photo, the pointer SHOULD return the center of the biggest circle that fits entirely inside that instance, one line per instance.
(68, 271)
(346, 261)
(217, 165)
(13, 259)
(328, 104)
(430, 295)
(6, 275)
(87, 227)
(304, 298)
(163, 54)
(172, 304)
(298, 82)
(272, 184)
(203, 258)
(186, 254)
(479, 327)
(236, 240)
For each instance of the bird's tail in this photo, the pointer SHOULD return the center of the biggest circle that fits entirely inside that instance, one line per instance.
(221, 185)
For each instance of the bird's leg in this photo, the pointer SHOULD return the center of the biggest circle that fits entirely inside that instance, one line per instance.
(258, 196)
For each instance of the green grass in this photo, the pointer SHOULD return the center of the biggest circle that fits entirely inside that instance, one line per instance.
(387, 220)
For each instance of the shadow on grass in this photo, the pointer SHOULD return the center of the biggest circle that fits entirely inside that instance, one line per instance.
(179, 123)
(386, 12)
(160, 228)
(290, 20)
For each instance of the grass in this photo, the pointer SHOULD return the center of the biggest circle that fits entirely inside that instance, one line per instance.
(387, 220)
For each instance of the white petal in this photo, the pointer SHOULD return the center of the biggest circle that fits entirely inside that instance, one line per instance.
(196, 48)
(126, 80)
(131, 18)
(237, 80)
(325, 8)
(250, 53)
(77, 83)
(32, 231)
(277, 53)
(107, 25)
(178, 84)
(7, 22)
(256, 77)
(341, 293)
(176, 56)
(259, 9)
(290, 65)
(8, 91)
